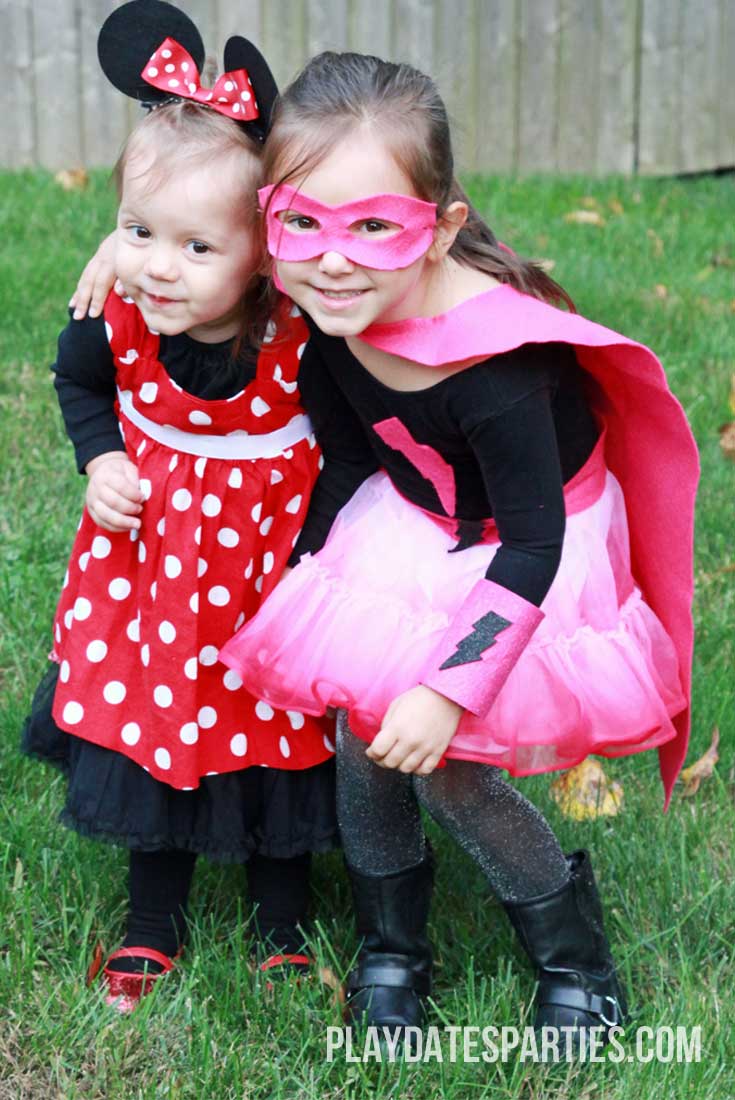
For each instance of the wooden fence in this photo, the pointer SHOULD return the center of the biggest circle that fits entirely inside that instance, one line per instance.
(592, 86)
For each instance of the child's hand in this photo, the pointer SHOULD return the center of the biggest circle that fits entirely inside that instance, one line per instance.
(95, 281)
(114, 499)
(416, 730)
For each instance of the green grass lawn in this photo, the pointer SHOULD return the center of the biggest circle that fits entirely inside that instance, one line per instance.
(661, 269)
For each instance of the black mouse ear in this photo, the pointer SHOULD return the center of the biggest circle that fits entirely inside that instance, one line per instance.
(132, 33)
(241, 54)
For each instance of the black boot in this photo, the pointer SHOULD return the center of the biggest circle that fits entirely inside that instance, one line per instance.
(564, 937)
(392, 979)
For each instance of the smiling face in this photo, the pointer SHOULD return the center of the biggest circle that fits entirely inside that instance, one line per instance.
(184, 249)
(341, 295)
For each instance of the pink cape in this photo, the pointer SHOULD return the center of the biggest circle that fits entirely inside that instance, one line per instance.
(649, 446)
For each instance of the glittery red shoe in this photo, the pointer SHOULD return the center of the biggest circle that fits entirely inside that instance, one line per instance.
(284, 966)
(125, 991)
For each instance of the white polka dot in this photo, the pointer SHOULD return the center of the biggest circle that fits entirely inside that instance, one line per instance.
(202, 567)
(141, 552)
(320, 462)
(96, 651)
(268, 561)
(285, 748)
(235, 107)
(134, 534)
(119, 588)
(249, 570)
(170, 68)
(153, 71)
(57, 631)
(161, 526)
(259, 407)
(239, 620)
(264, 711)
(199, 417)
(131, 355)
(181, 500)
(266, 525)
(162, 695)
(208, 655)
(101, 546)
(257, 512)
(145, 488)
(211, 505)
(200, 466)
(192, 85)
(162, 758)
(133, 631)
(165, 53)
(239, 744)
(130, 733)
(140, 449)
(154, 589)
(194, 603)
(198, 536)
(227, 536)
(288, 453)
(167, 632)
(66, 579)
(276, 476)
(296, 719)
(184, 66)
(69, 618)
(246, 96)
(114, 692)
(173, 83)
(300, 350)
(229, 86)
(108, 330)
(206, 718)
(173, 464)
(219, 596)
(259, 584)
(64, 672)
(294, 504)
(328, 745)
(73, 713)
(145, 654)
(172, 566)
(189, 733)
(235, 479)
(191, 668)
(231, 680)
(148, 392)
(82, 609)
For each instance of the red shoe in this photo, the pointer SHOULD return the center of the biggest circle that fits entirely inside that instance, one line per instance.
(287, 965)
(125, 991)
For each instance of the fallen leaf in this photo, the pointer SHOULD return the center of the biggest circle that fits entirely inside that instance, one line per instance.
(72, 179)
(96, 964)
(727, 440)
(658, 244)
(584, 217)
(661, 291)
(589, 202)
(329, 978)
(616, 206)
(703, 768)
(584, 793)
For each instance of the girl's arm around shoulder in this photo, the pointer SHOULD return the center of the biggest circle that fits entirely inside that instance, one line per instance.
(348, 457)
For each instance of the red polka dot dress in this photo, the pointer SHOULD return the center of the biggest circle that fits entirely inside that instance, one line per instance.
(143, 614)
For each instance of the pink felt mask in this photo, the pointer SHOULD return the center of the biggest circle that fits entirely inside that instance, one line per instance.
(338, 229)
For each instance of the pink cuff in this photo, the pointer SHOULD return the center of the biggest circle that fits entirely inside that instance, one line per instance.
(481, 645)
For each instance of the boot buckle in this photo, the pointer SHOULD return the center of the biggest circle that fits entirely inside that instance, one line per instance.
(615, 1011)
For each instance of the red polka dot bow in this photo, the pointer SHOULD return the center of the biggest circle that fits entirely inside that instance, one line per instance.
(172, 70)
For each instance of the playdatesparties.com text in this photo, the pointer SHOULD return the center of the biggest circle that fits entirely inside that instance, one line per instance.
(501, 1044)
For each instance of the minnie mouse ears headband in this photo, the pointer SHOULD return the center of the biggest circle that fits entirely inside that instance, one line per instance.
(152, 52)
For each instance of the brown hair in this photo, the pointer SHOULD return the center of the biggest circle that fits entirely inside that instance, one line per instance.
(336, 92)
(183, 130)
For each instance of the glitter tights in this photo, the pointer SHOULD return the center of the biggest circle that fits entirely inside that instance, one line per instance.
(380, 820)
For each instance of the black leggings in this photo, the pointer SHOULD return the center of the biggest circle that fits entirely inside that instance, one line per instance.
(380, 820)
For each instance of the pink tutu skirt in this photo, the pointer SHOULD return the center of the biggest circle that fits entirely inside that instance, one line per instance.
(358, 623)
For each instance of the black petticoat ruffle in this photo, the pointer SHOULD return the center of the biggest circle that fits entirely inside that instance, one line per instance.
(228, 818)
